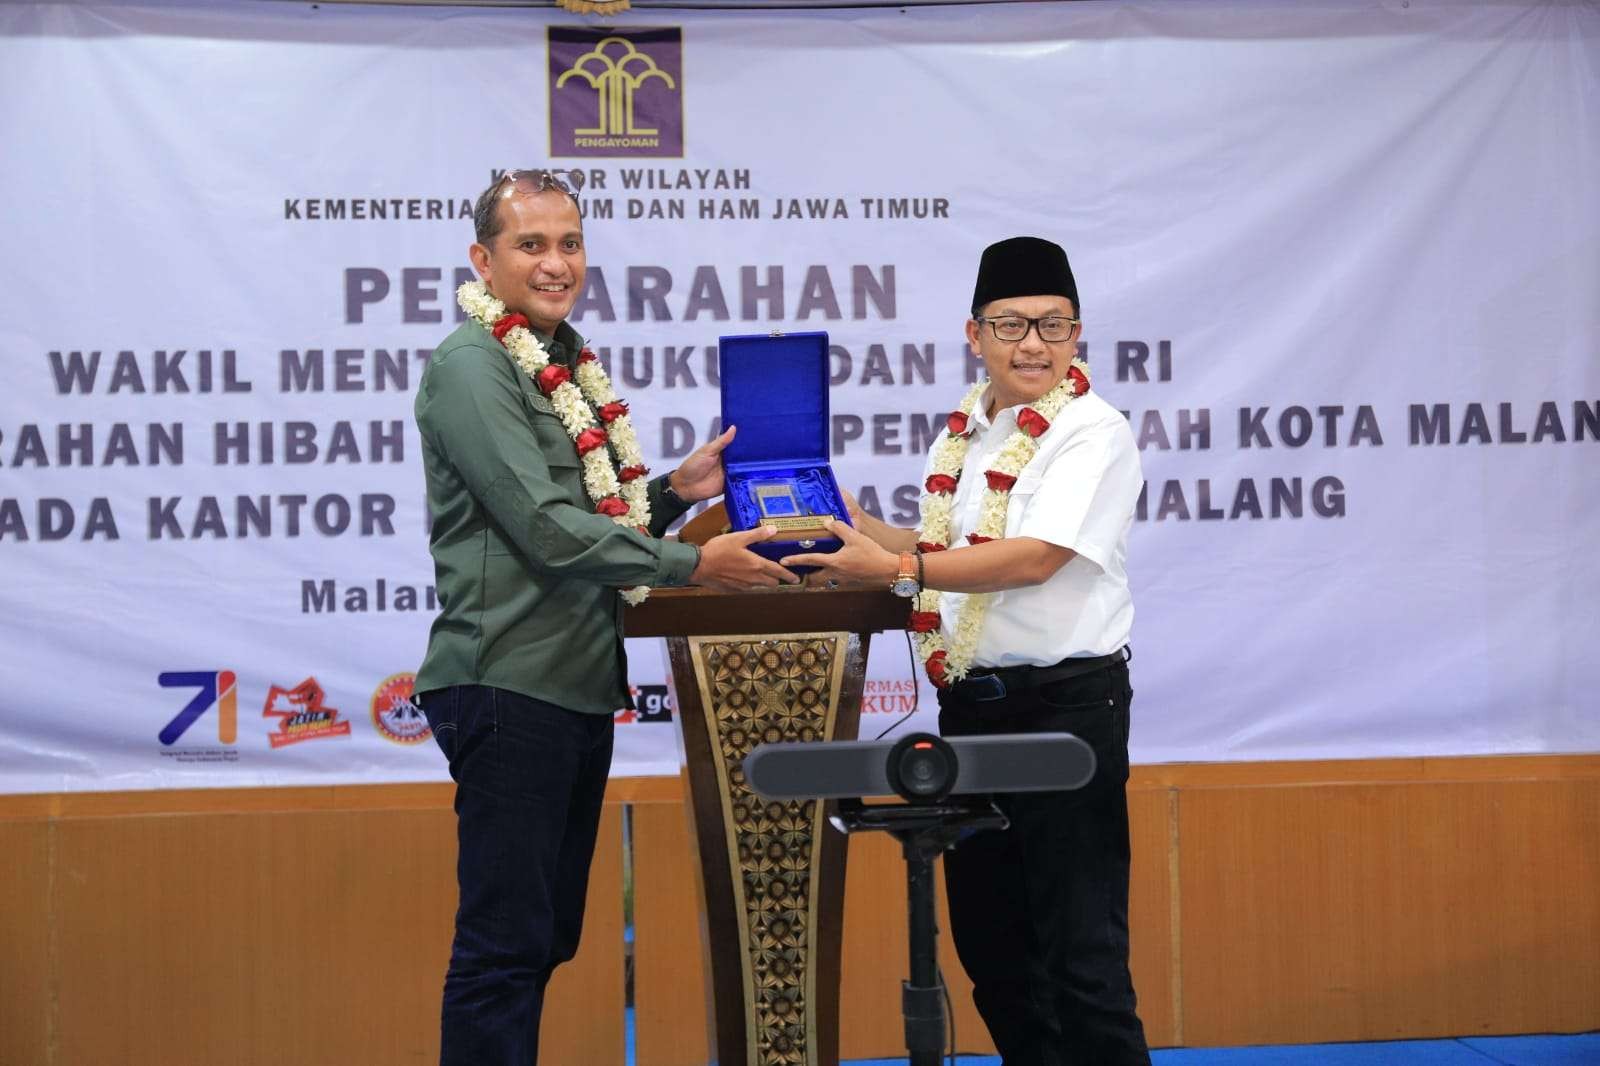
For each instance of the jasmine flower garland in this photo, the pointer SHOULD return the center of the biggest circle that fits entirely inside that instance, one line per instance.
(949, 662)
(619, 491)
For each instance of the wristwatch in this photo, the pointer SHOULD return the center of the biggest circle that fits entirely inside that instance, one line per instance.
(670, 495)
(905, 582)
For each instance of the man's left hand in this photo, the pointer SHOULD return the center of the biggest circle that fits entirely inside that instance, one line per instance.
(700, 476)
(859, 561)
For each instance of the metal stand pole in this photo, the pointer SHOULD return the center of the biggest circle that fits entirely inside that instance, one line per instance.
(921, 1002)
(924, 833)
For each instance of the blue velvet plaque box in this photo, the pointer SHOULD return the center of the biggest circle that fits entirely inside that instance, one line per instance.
(775, 389)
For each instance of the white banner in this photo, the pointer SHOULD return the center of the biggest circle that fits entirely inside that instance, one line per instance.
(1338, 263)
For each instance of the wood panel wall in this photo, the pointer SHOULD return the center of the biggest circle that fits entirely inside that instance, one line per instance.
(1287, 902)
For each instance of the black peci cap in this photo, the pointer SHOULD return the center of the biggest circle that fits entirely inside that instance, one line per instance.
(1024, 266)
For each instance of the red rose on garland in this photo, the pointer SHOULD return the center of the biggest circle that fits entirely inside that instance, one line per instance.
(589, 440)
(506, 323)
(552, 377)
(926, 546)
(978, 538)
(611, 506)
(999, 480)
(935, 666)
(628, 473)
(1032, 422)
(586, 356)
(924, 621)
(613, 411)
(1080, 383)
(956, 423)
(941, 483)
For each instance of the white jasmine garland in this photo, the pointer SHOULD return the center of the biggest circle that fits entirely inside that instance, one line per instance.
(948, 662)
(575, 405)
(596, 385)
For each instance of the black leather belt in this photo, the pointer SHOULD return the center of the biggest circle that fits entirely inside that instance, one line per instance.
(983, 683)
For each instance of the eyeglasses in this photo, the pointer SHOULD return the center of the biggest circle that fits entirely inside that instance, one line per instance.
(538, 180)
(1011, 328)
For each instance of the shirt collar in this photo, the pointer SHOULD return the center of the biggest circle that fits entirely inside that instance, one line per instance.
(563, 346)
(980, 412)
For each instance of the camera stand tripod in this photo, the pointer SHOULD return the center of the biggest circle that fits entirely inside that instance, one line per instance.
(924, 832)
(925, 771)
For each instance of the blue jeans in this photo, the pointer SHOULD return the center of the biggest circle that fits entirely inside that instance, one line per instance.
(530, 779)
(1039, 911)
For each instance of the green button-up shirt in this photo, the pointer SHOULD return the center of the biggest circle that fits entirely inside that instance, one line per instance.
(527, 573)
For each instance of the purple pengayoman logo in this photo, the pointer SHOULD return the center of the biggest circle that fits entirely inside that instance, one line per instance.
(616, 92)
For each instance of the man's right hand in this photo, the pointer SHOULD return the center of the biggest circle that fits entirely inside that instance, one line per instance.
(892, 537)
(728, 565)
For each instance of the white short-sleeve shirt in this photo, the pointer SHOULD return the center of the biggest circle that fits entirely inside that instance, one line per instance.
(1079, 492)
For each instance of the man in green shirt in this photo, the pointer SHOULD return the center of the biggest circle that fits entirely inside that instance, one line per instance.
(525, 662)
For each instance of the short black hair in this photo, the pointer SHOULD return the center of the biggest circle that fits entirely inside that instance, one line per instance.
(486, 222)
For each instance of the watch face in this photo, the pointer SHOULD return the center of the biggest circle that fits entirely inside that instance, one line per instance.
(904, 586)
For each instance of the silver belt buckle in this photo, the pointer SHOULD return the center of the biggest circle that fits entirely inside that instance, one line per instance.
(986, 687)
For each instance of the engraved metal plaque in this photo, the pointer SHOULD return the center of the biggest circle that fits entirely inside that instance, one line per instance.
(777, 499)
(779, 504)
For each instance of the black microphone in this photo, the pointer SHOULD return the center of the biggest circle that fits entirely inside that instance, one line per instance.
(920, 768)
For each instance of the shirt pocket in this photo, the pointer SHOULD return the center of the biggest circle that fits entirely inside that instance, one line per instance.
(560, 453)
(1022, 494)
(556, 447)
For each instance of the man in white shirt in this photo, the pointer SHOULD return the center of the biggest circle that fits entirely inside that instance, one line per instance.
(1024, 612)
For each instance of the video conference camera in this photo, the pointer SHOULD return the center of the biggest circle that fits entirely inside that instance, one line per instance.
(925, 771)
(920, 768)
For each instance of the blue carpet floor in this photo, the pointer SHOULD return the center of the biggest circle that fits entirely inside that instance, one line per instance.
(1582, 1050)
(1475, 1051)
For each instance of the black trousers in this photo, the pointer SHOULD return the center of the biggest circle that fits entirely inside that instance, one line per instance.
(1039, 911)
(530, 781)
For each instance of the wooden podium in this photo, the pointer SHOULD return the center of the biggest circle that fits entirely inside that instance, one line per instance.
(749, 669)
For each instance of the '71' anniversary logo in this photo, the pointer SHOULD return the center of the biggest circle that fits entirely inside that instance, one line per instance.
(218, 687)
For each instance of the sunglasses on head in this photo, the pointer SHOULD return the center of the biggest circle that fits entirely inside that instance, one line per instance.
(516, 179)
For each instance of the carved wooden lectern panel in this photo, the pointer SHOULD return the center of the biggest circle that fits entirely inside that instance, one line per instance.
(761, 692)
(747, 670)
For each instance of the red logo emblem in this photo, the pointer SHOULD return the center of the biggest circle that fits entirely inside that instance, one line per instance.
(302, 714)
